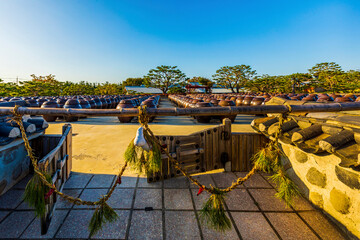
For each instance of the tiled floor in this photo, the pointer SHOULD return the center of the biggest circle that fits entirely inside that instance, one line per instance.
(253, 210)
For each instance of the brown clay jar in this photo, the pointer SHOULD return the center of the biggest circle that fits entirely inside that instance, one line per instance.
(126, 103)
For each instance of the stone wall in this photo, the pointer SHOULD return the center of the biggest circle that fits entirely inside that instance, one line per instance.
(332, 188)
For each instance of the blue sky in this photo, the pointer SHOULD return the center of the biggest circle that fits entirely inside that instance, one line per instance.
(101, 41)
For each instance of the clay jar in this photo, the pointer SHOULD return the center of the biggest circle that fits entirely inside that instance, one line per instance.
(343, 99)
(72, 103)
(103, 103)
(203, 119)
(227, 103)
(149, 104)
(98, 103)
(126, 103)
(257, 101)
(32, 103)
(247, 100)
(239, 101)
(50, 104)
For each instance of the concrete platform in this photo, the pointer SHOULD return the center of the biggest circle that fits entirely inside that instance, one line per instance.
(254, 211)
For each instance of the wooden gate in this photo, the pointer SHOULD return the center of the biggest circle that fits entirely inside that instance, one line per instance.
(208, 150)
(201, 151)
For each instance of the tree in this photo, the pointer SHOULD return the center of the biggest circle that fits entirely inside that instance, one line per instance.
(326, 75)
(164, 77)
(297, 79)
(234, 77)
(203, 82)
(133, 82)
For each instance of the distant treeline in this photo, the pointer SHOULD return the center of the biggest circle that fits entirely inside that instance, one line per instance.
(327, 76)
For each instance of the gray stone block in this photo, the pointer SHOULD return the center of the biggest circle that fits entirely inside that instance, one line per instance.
(144, 184)
(15, 224)
(34, 230)
(11, 199)
(101, 181)
(91, 195)
(3, 214)
(322, 225)
(201, 199)
(148, 198)
(178, 199)
(121, 198)
(76, 225)
(209, 233)
(253, 225)
(290, 226)
(203, 179)
(239, 199)
(267, 200)
(180, 182)
(62, 203)
(77, 180)
(255, 181)
(225, 179)
(181, 225)
(114, 230)
(146, 225)
(128, 182)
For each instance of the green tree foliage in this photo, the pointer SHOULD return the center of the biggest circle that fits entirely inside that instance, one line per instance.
(163, 77)
(234, 77)
(326, 75)
(176, 89)
(203, 82)
(133, 82)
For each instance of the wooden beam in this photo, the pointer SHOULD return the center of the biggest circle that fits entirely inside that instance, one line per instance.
(206, 111)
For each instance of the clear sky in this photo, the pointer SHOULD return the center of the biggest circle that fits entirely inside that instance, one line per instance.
(103, 40)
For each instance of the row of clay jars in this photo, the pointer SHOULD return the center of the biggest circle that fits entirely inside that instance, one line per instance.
(150, 102)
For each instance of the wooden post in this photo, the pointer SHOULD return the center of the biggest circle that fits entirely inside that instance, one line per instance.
(68, 148)
(226, 137)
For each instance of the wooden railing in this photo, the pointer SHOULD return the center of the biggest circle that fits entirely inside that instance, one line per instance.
(55, 152)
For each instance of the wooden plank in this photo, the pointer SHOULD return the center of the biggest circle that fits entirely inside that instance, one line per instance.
(216, 155)
(235, 160)
(242, 149)
(209, 145)
(249, 150)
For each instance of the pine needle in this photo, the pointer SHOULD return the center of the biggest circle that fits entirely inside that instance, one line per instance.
(34, 194)
(103, 214)
(213, 213)
(153, 159)
(286, 188)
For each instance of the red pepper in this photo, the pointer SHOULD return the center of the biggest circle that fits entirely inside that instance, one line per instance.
(200, 191)
(118, 180)
(49, 193)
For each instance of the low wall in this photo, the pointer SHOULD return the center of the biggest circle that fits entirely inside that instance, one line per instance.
(332, 188)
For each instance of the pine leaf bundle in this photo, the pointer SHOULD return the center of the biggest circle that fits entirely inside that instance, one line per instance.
(286, 188)
(213, 212)
(103, 214)
(268, 158)
(153, 159)
(34, 194)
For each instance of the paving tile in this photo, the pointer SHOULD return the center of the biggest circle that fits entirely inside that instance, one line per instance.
(127, 182)
(146, 225)
(62, 203)
(255, 181)
(203, 179)
(179, 182)
(322, 225)
(3, 214)
(239, 199)
(302, 204)
(290, 226)
(76, 225)
(144, 184)
(201, 199)
(115, 230)
(267, 200)
(121, 198)
(178, 199)
(253, 225)
(225, 179)
(209, 233)
(91, 195)
(34, 230)
(77, 180)
(24, 206)
(11, 199)
(148, 198)
(22, 184)
(181, 225)
(101, 181)
(15, 224)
